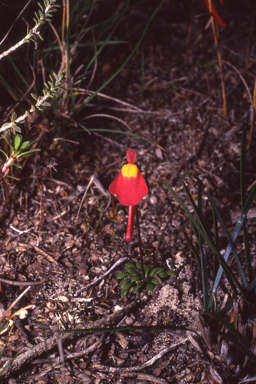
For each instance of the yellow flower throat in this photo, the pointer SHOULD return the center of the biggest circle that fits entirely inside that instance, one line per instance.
(130, 170)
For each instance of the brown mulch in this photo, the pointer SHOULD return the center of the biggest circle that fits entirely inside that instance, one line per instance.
(59, 232)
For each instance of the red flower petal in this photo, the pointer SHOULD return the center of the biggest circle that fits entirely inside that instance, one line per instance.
(129, 190)
(129, 186)
(131, 155)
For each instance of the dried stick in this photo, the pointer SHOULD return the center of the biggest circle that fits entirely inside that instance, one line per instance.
(145, 376)
(7, 312)
(144, 365)
(95, 282)
(27, 356)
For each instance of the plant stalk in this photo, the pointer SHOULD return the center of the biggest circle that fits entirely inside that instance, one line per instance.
(129, 230)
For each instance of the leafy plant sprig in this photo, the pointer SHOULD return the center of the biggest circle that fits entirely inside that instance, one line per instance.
(134, 277)
(51, 90)
(43, 15)
(18, 149)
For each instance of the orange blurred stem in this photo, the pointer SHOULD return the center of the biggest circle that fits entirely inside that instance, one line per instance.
(140, 245)
(131, 214)
(211, 9)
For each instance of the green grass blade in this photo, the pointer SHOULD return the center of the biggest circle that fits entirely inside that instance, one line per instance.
(48, 354)
(228, 306)
(228, 237)
(21, 77)
(230, 327)
(231, 278)
(125, 62)
(197, 211)
(191, 246)
(127, 328)
(121, 133)
(9, 363)
(94, 58)
(251, 286)
(234, 236)
(9, 89)
(204, 273)
(202, 248)
(239, 345)
(216, 239)
(243, 195)
(56, 127)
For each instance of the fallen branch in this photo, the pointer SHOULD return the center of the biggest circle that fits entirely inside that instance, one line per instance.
(29, 355)
(148, 363)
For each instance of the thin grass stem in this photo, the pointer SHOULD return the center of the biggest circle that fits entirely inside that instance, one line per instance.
(140, 244)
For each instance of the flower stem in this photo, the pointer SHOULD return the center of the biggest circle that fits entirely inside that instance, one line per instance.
(140, 245)
(128, 236)
(131, 214)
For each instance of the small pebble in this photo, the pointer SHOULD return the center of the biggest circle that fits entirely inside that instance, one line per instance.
(153, 199)
(2, 260)
(159, 153)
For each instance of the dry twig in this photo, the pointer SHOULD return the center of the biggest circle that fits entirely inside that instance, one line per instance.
(95, 282)
(27, 356)
(144, 365)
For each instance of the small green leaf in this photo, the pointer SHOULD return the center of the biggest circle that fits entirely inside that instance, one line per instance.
(25, 145)
(124, 291)
(7, 141)
(121, 275)
(137, 287)
(46, 104)
(16, 128)
(17, 142)
(5, 125)
(129, 265)
(132, 271)
(163, 274)
(124, 282)
(150, 287)
(154, 281)
(14, 117)
(156, 270)
(146, 270)
(17, 165)
(138, 265)
(128, 284)
(34, 96)
(171, 273)
(4, 153)
(29, 153)
(135, 278)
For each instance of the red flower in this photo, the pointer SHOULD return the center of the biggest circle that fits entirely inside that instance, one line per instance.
(129, 186)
